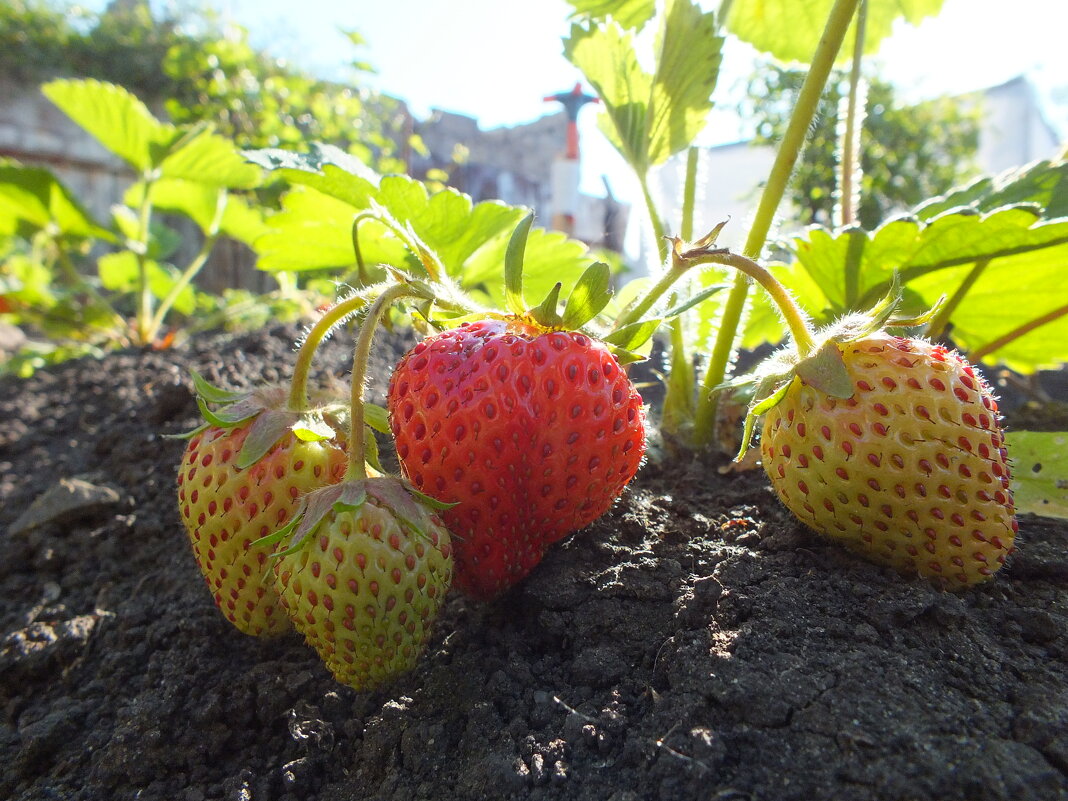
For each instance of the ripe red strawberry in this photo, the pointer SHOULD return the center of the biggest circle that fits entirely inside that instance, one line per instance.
(367, 578)
(241, 478)
(910, 471)
(532, 432)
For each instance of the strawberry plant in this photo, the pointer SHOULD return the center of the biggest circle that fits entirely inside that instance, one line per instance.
(127, 299)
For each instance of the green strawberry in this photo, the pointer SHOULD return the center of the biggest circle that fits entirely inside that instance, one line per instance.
(907, 467)
(366, 578)
(241, 478)
(532, 431)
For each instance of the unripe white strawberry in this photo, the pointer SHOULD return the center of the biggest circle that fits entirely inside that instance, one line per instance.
(910, 471)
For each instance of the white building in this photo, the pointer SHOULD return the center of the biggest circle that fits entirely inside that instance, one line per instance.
(1013, 131)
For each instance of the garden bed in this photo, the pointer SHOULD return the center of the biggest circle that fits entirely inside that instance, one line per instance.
(696, 642)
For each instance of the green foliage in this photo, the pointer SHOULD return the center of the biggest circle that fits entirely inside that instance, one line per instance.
(1040, 472)
(649, 117)
(444, 235)
(90, 286)
(908, 153)
(977, 250)
(200, 71)
(790, 29)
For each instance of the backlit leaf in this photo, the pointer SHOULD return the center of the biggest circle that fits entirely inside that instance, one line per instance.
(791, 29)
(1039, 471)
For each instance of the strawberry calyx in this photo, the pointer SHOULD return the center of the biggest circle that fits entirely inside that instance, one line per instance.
(410, 507)
(265, 412)
(818, 361)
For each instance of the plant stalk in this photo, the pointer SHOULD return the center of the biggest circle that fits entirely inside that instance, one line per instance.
(937, 327)
(977, 354)
(851, 135)
(357, 467)
(144, 314)
(195, 266)
(681, 381)
(298, 387)
(789, 150)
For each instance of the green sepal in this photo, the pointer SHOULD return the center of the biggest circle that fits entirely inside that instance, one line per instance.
(513, 265)
(688, 304)
(277, 536)
(188, 434)
(589, 296)
(370, 451)
(919, 319)
(377, 417)
(826, 371)
(228, 418)
(211, 393)
(311, 427)
(268, 428)
(546, 314)
(433, 503)
(760, 408)
(624, 356)
(633, 335)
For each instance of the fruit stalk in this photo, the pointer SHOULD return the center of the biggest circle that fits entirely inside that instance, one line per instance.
(789, 150)
(298, 388)
(357, 468)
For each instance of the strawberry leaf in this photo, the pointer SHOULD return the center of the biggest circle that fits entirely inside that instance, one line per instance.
(1040, 471)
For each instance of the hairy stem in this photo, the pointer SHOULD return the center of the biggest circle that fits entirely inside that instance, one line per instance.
(850, 161)
(298, 387)
(789, 150)
(357, 467)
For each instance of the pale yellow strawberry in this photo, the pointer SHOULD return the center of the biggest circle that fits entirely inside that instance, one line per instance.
(910, 472)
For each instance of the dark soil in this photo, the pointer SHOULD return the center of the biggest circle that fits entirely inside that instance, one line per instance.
(696, 643)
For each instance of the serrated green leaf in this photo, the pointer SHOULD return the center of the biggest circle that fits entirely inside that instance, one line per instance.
(314, 231)
(1020, 284)
(119, 272)
(628, 13)
(207, 158)
(1039, 471)
(550, 257)
(1043, 184)
(589, 296)
(648, 118)
(791, 29)
(326, 168)
(115, 118)
(33, 196)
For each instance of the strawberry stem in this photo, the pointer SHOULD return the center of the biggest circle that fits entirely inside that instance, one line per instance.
(789, 150)
(298, 389)
(357, 467)
(791, 312)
